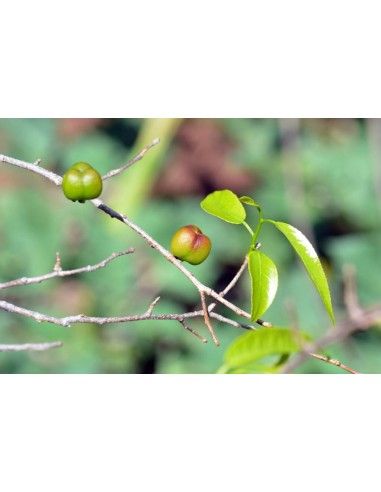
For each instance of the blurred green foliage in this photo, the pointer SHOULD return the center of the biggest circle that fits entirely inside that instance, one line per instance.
(335, 166)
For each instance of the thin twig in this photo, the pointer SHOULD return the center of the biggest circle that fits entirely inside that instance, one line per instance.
(358, 319)
(67, 321)
(368, 318)
(294, 322)
(231, 283)
(63, 273)
(187, 327)
(228, 321)
(141, 154)
(207, 319)
(57, 266)
(55, 178)
(152, 305)
(37, 347)
(334, 362)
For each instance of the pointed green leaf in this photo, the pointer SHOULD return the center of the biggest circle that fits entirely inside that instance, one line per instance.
(225, 205)
(249, 201)
(243, 353)
(264, 283)
(311, 261)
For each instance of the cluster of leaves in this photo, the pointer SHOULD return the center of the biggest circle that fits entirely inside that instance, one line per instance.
(226, 205)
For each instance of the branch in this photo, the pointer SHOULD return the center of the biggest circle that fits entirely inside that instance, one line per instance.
(207, 319)
(35, 347)
(187, 327)
(231, 283)
(67, 321)
(358, 319)
(63, 273)
(141, 154)
(334, 362)
(368, 318)
(55, 178)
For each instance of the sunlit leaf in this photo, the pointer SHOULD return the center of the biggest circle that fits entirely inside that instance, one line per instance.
(310, 260)
(246, 350)
(264, 283)
(225, 205)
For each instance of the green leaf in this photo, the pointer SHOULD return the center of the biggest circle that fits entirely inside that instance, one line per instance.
(310, 260)
(225, 205)
(264, 283)
(243, 353)
(249, 201)
(250, 369)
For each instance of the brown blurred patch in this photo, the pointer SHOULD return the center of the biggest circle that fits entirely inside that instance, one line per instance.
(69, 128)
(201, 162)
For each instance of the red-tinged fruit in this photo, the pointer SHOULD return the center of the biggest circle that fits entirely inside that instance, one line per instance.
(82, 182)
(191, 245)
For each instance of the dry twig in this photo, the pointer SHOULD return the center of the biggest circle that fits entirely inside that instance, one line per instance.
(358, 319)
(34, 347)
(58, 272)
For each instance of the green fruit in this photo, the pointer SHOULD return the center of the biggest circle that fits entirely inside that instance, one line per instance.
(82, 182)
(191, 245)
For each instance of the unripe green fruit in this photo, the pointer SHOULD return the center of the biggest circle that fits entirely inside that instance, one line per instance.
(82, 182)
(191, 245)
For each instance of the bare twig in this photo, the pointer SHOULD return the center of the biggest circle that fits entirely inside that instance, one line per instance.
(368, 318)
(228, 321)
(55, 178)
(231, 283)
(187, 327)
(67, 321)
(334, 362)
(36, 347)
(57, 266)
(152, 305)
(207, 319)
(63, 273)
(141, 154)
(358, 319)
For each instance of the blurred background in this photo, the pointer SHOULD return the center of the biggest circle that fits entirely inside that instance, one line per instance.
(321, 175)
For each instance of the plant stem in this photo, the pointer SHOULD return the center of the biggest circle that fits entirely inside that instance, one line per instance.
(248, 228)
(255, 235)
